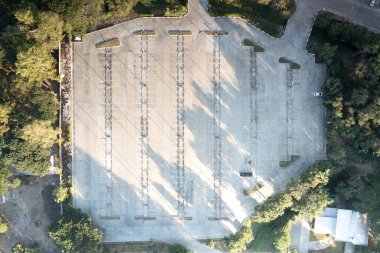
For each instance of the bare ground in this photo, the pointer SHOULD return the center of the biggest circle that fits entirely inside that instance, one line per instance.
(30, 213)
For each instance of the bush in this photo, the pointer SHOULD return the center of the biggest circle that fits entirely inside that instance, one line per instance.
(273, 207)
(19, 248)
(211, 244)
(60, 193)
(3, 225)
(178, 248)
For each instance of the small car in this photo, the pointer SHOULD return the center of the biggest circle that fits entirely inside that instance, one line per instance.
(372, 3)
(246, 174)
(317, 94)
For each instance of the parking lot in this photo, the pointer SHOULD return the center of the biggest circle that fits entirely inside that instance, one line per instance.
(164, 123)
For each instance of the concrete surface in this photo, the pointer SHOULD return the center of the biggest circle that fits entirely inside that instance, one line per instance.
(299, 235)
(322, 244)
(146, 166)
(349, 247)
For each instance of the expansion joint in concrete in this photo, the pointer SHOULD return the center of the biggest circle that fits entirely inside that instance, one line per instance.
(144, 128)
(217, 127)
(180, 125)
(108, 127)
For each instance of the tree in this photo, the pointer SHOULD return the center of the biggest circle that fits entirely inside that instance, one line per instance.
(74, 222)
(315, 175)
(273, 207)
(3, 225)
(281, 235)
(49, 31)
(27, 157)
(353, 186)
(5, 111)
(312, 203)
(238, 242)
(60, 193)
(36, 65)
(45, 105)
(178, 248)
(40, 133)
(5, 179)
(327, 53)
(20, 248)
(25, 17)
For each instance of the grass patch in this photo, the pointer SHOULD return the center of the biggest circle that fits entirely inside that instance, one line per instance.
(98, 14)
(363, 249)
(263, 234)
(338, 247)
(249, 191)
(293, 159)
(317, 237)
(249, 43)
(269, 16)
(115, 42)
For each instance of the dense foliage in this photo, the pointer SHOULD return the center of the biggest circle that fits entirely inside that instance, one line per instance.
(20, 248)
(269, 15)
(3, 225)
(305, 197)
(178, 248)
(352, 95)
(75, 232)
(238, 241)
(28, 107)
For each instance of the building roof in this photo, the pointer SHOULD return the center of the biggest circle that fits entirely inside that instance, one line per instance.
(351, 227)
(330, 212)
(348, 226)
(325, 225)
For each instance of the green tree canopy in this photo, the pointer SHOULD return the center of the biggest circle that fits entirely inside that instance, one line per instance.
(5, 110)
(40, 133)
(60, 193)
(238, 242)
(20, 248)
(273, 207)
(75, 232)
(36, 65)
(3, 225)
(178, 248)
(27, 157)
(49, 31)
(312, 203)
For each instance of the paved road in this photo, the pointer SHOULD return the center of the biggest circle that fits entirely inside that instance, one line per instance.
(300, 24)
(358, 12)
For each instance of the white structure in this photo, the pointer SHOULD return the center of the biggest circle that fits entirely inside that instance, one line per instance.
(344, 225)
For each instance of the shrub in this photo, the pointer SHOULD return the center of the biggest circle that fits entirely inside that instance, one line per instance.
(178, 248)
(19, 248)
(238, 242)
(60, 193)
(3, 225)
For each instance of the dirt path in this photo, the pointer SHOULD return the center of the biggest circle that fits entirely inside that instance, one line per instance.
(30, 213)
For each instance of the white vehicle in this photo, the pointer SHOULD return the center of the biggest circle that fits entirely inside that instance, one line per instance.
(317, 94)
(372, 3)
